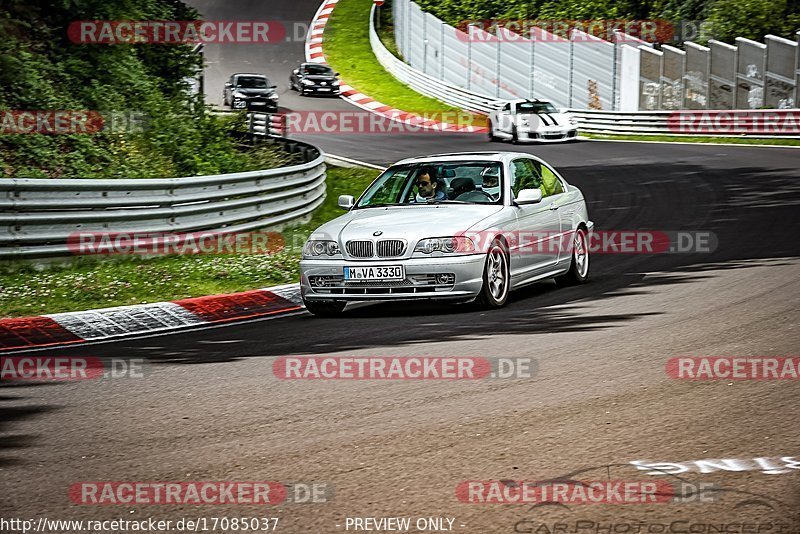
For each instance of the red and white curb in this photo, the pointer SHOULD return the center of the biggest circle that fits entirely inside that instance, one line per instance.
(122, 321)
(316, 54)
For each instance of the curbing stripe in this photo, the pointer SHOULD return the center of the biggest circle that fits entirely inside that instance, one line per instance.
(123, 321)
(316, 54)
(219, 308)
(33, 331)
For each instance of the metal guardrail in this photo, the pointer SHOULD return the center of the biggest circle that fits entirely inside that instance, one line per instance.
(40, 215)
(425, 84)
(668, 122)
(590, 121)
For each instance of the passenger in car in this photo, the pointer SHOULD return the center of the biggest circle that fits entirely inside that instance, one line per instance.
(491, 182)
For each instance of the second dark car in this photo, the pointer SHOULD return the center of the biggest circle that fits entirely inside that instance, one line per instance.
(316, 79)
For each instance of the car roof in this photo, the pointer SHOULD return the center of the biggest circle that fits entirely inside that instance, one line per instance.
(461, 156)
(250, 74)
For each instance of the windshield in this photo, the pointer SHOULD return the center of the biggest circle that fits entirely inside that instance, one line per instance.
(470, 182)
(536, 107)
(318, 70)
(253, 82)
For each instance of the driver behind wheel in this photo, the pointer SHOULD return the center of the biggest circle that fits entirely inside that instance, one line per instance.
(491, 181)
(427, 186)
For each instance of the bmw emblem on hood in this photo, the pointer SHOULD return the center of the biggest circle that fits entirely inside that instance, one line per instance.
(376, 234)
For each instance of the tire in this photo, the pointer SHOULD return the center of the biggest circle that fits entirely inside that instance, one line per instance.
(325, 308)
(514, 136)
(578, 272)
(492, 137)
(496, 269)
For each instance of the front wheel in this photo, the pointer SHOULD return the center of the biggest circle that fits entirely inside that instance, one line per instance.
(325, 308)
(492, 137)
(496, 278)
(579, 267)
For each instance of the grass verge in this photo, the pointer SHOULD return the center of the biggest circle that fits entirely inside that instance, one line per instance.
(102, 282)
(707, 140)
(347, 49)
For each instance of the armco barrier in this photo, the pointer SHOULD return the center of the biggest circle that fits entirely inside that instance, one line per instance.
(590, 121)
(425, 84)
(780, 124)
(573, 69)
(39, 215)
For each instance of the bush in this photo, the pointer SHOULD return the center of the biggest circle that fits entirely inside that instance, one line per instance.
(40, 69)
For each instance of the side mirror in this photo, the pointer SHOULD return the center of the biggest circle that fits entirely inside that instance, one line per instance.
(529, 196)
(228, 84)
(335, 73)
(295, 71)
(346, 201)
(273, 86)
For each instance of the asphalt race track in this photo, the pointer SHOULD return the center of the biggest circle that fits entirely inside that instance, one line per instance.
(210, 407)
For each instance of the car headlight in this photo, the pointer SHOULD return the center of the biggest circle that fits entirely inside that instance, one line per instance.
(317, 247)
(335, 83)
(306, 82)
(239, 94)
(274, 97)
(448, 245)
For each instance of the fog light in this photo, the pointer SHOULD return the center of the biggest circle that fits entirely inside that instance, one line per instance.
(445, 278)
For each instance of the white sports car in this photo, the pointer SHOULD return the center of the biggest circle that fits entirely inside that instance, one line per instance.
(467, 226)
(531, 120)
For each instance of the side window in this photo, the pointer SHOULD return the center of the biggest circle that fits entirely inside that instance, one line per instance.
(550, 184)
(524, 175)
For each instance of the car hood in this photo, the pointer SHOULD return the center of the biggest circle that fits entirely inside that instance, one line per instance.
(256, 92)
(411, 223)
(549, 119)
(319, 78)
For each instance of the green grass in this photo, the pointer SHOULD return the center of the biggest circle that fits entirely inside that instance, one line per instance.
(347, 49)
(688, 139)
(99, 282)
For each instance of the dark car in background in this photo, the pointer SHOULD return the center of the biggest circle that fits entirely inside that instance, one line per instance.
(252, 92)
(314, 79)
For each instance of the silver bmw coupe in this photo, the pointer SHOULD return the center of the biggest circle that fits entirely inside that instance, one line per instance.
(466, 227)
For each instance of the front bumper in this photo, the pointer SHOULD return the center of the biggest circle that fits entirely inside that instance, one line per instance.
(255, 104)
(421, 280)
(548, 136)
(320, 90)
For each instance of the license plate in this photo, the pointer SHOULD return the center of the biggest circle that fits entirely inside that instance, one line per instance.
(258, 103)
(375, 273)
(323, 88)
